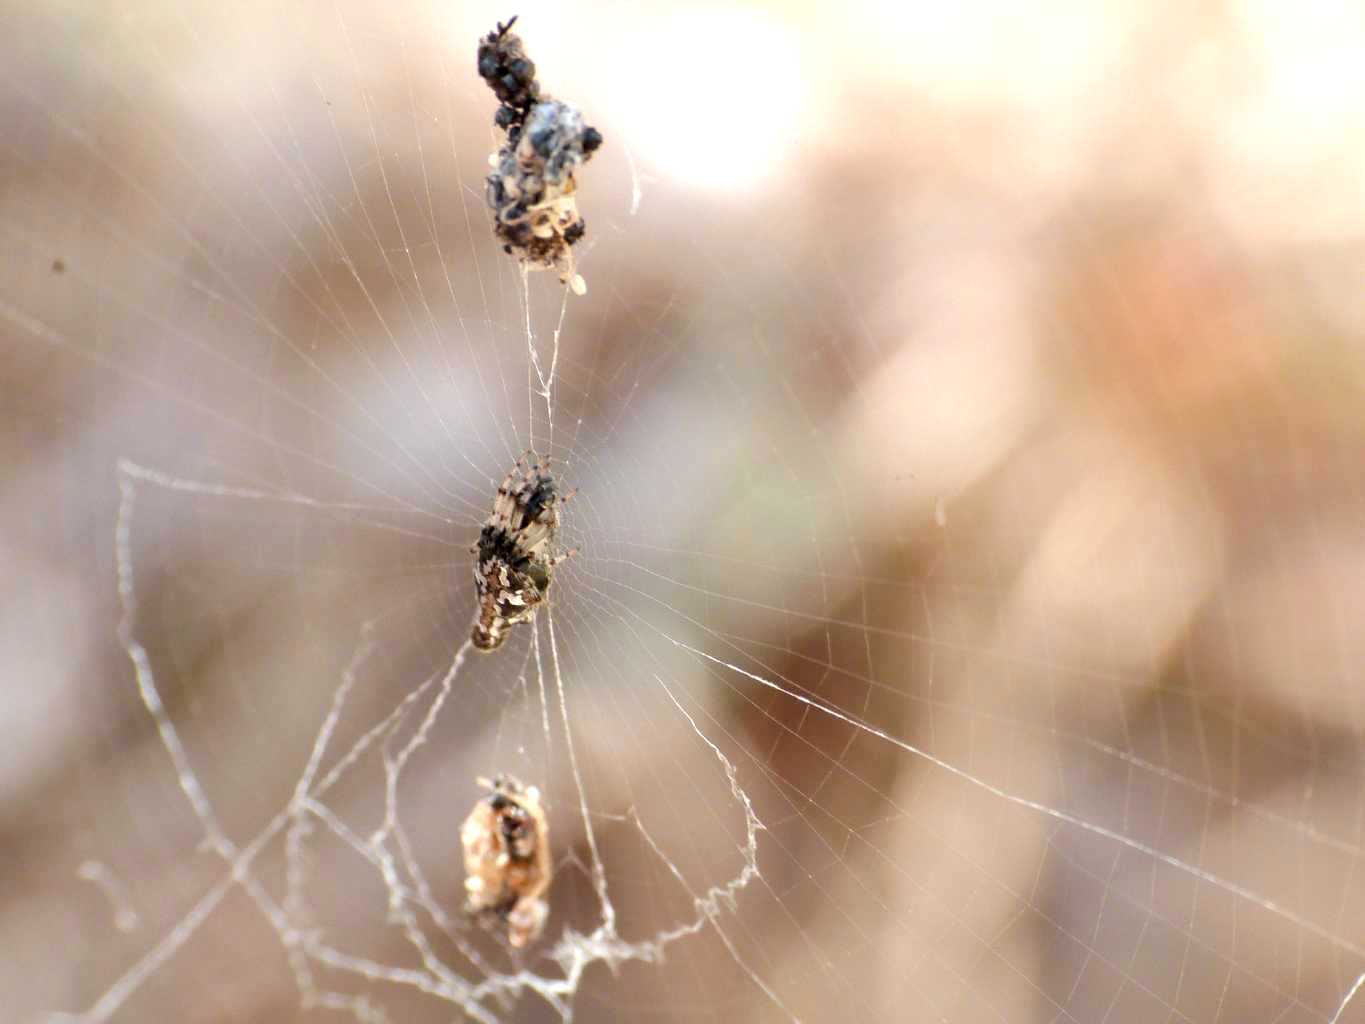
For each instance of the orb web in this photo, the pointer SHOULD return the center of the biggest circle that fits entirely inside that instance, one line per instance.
(921, 649)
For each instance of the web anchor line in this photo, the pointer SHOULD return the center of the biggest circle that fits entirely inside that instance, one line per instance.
(1059, 815)
(1346, 1000)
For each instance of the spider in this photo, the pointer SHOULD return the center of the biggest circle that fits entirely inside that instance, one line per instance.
(516, 558)
(507, 859)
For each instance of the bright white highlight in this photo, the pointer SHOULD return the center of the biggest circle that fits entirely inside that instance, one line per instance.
(722, 97)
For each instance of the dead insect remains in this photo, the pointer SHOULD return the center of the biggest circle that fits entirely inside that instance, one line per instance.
(507, 859)
(516, 551)
(531, 190)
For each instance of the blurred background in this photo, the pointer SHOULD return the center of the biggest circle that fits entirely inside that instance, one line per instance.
(966, 415)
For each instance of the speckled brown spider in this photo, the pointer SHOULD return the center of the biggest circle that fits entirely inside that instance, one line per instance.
(516, 556)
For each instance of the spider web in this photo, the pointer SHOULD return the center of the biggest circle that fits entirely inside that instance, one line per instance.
(917, 660)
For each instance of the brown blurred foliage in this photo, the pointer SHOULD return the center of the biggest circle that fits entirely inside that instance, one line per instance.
(990, 376)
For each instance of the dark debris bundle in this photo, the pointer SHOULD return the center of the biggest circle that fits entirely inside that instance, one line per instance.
(531, 190)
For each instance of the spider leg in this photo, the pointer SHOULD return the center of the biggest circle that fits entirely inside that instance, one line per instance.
(561, 558)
